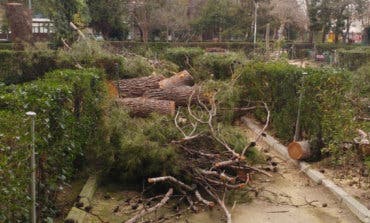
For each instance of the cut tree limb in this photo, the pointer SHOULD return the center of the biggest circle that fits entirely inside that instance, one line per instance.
(204, 201)
(143, 107)
(152, 209)
(182, 78)
(75, 28)
(136, 87)
(171, 179)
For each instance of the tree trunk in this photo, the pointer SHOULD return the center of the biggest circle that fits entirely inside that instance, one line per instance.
(180, 95)
(281, 31)
(143, 107)
(182, 78)
(20, 21)
(136, 87)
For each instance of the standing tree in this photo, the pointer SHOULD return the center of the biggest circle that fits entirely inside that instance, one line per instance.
(62, 13)
(20, 21)
(109, 18)
(288, 12)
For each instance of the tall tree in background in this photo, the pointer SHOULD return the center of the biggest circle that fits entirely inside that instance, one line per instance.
(143, 13)
(62, 13)
(173, 18)
(288, 12)
(109, 17)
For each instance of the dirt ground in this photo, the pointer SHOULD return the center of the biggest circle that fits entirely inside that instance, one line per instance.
(287, 197)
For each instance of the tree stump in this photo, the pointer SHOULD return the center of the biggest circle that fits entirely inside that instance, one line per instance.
(299, 150)
(143, 107)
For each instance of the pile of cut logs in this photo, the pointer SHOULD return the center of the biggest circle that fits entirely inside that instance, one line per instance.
(145, 95)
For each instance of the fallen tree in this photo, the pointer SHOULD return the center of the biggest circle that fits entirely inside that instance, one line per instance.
(143, 107)
(135, 87)
(210, 166)
(180, 95)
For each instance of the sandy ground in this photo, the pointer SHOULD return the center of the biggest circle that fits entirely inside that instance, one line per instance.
(287, 197)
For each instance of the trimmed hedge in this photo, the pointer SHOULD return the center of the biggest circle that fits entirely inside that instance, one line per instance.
(217, 65)
(69, 106)
(326, 115)
(6, 46)
(183, 57)
(21, 66)
(355, 58)
(162, 46)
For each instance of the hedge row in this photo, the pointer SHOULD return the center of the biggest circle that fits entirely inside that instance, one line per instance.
(162, 46)
(69, 111)
(204, 65)
(23, 66)
(327, 115)
(354, 58)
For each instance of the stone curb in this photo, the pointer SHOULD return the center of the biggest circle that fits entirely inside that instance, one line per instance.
(77, 215)
(352, 204)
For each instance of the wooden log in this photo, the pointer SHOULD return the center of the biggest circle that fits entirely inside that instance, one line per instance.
(182, 78)
(180, 95)
(135, 87)
(299, 150)
(143, 107)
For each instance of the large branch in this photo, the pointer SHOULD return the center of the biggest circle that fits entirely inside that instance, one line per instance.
(171, 179)
(152, 209)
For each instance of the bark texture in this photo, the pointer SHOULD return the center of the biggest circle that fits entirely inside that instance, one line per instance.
(180, 95)
(143, 107)
(135, 87)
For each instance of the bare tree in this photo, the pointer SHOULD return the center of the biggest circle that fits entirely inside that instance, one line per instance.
(288, 12)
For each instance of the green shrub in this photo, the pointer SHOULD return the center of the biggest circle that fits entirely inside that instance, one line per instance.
(69, 107)
(183, 57)
(219, 66)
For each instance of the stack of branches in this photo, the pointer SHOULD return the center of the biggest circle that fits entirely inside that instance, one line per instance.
(156, 93)
(208, 172)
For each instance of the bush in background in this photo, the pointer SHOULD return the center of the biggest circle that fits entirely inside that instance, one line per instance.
(354, 58)
(217, 65)
(183, 57)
